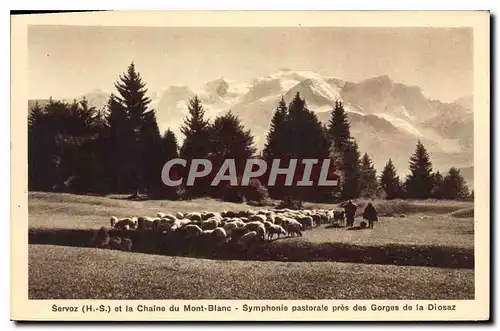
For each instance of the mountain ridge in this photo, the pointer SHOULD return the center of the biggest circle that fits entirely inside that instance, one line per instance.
(387, 117)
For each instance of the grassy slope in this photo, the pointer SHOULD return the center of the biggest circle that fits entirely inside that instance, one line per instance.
(93, 274)
(435, 227)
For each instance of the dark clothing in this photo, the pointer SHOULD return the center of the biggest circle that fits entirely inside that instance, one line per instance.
(350, 210)
(370, 214)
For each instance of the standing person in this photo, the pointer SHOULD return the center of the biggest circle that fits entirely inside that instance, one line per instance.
(370, 214)
(350, 210)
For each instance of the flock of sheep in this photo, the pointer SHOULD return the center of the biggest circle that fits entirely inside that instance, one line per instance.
(242, 227)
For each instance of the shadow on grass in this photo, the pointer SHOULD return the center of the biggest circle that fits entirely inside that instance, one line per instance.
(334, 226)
(175, 244)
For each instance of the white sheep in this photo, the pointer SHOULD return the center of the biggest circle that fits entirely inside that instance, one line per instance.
(122, 224)
(192, 231)
(193, 216)
(210, 224)
(257, 218)
(219, 234)
(306, 221)
(179, 215)
(292, 227)
(113, 221)
(275, 229)
(248, 238)
(230, 226)
(257, 227)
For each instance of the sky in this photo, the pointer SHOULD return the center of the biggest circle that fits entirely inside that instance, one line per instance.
(69, 61)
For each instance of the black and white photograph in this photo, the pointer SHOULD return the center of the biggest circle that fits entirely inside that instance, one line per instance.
(294, 162)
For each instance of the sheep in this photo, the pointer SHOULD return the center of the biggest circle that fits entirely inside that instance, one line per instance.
(248, 238)
(228, 213)
(101, 238)
(278, 219)
(230, 226)
(126, 244)
(208, 215)
(113, 221)
(123, 224)
(167, 216)
(250, 213)
(210, 224)
(219, 234)
(193, 216)
(268, 224)
(306, 221)
(179, 215)
(292, 227)
(257, 227)
(192, 231)
(317, 218)
(275, 229)
(115, 243)
(145, 223)
(257, 218)
(237, 233)
(339, 215)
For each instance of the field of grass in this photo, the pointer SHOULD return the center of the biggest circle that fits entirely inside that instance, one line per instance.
(396, 260)
(105, 274)
(424, 224)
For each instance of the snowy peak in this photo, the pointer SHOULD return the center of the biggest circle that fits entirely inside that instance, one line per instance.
(218, 87)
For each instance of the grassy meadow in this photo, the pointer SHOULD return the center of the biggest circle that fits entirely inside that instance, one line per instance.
(418, 250)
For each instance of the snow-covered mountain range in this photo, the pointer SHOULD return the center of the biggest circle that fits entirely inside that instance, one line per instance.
(386, 117)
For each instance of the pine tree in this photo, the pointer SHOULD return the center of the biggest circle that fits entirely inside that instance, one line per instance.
(276, 141)
(419, 182)
(369, 184)
(338, 127)
(152, 160)
(230, 140)
(196, 130)
(132, 92)
(389, 181)
(351, 171)
(170, 146)
(119, 138)
(39, 161)
(437, 186)
(454, 186)
(141, 134)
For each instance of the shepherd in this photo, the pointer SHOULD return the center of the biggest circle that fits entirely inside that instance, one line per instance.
(350, 210)
(370, 214)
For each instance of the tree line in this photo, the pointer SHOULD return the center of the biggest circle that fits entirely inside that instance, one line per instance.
(119, 149)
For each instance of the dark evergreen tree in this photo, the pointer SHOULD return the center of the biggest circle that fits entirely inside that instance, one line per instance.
(40, 150)
(230, 140)
(141, 137)
(419, 182)
(119, 139)
(454, 186)
(351, 171)
(170, 146)
(196, 131)
(437, 187)
(196, 144)
(152, 159)
(369, 183)
(389, 181)
(276, 142)
(339, 131)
